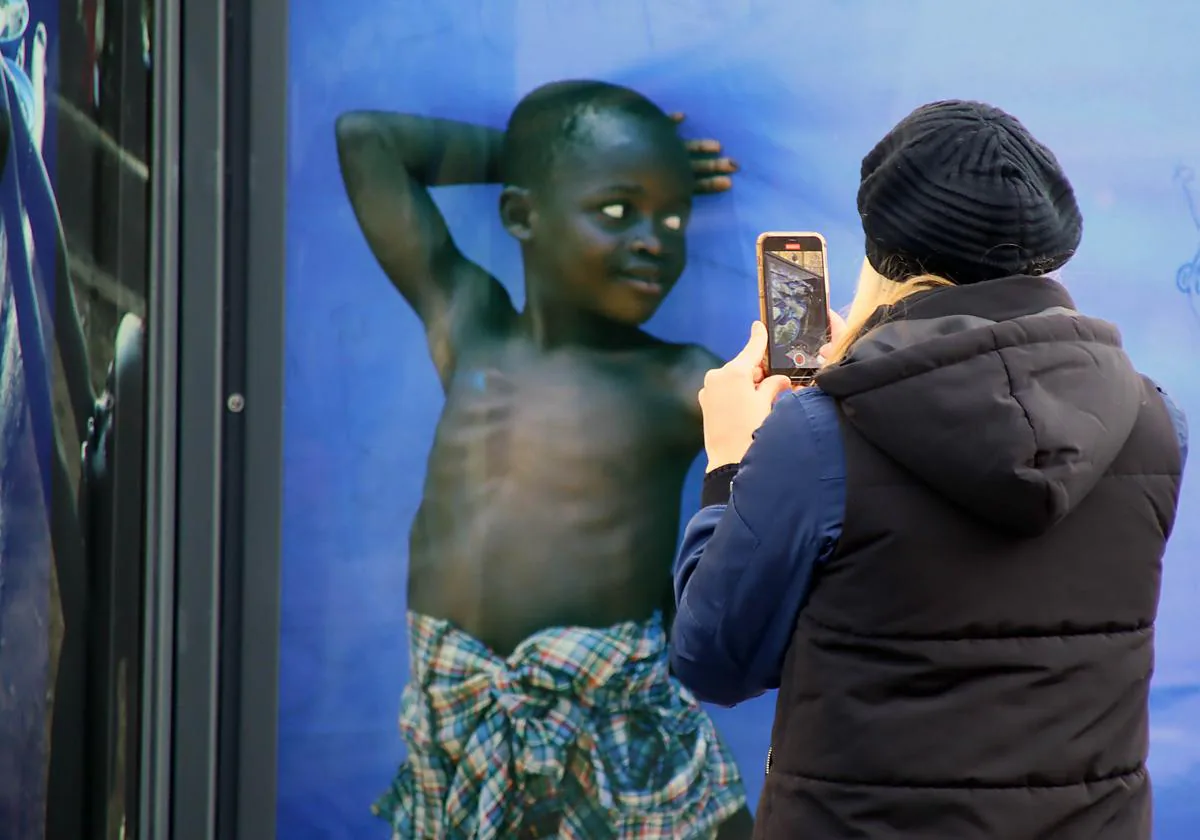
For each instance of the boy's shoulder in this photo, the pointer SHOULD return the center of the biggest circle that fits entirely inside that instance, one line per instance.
(694, 358)
(680, 357)
(686, 364)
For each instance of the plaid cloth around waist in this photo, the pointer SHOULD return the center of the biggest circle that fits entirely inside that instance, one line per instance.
(582, 730)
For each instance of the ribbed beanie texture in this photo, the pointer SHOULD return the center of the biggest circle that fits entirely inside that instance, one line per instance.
(962, 190)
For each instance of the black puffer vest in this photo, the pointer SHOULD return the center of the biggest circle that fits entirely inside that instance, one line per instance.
(974, 661)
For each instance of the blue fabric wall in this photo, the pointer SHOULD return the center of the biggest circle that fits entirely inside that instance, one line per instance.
(798, 92)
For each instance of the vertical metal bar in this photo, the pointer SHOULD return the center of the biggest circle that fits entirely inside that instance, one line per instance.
(154, 794)
(263, 430)
(184, 795)
(200, 417)
(233, 455)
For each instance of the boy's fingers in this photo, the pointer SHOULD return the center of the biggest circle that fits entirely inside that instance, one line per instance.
(717, 184)
(708, 166)
(707, 147)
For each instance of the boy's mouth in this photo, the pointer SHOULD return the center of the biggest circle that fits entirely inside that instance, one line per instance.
(648, 281)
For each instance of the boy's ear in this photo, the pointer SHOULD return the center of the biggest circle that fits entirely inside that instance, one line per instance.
(517, 213)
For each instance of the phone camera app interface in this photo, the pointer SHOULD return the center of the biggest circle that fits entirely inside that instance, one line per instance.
(796, 295)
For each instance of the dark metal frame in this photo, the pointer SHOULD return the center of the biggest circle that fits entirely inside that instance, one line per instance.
(214, 424)
(260, 38)
(112, 505)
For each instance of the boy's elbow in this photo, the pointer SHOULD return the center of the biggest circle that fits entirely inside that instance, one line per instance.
(350, 127)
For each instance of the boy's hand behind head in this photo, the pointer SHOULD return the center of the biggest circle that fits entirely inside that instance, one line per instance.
(712, 170)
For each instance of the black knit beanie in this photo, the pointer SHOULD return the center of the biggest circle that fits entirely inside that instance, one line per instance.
(963, 191)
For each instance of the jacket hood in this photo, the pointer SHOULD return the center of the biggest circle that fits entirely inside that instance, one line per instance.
(998, 395)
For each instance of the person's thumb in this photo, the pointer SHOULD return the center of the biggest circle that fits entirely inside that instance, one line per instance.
(752, 354)
(837, 326)
(837, 329)
(773, 386)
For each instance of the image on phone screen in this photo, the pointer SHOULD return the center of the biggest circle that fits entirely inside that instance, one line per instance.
(796, 307)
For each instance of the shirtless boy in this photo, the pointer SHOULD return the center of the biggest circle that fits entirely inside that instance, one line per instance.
(540, 702)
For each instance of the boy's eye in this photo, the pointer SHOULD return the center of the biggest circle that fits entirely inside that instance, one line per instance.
(614, 211)
(673, 223)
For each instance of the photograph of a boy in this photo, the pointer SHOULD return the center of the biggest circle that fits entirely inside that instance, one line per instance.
(540, 701)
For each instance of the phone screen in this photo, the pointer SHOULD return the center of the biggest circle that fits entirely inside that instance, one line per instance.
(794, 303)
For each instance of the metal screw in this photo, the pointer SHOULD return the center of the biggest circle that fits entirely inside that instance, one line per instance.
(235, 403)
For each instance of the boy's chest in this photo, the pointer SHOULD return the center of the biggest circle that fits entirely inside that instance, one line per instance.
(569, 405)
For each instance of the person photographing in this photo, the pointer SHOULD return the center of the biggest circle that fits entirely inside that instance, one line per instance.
(946, 555)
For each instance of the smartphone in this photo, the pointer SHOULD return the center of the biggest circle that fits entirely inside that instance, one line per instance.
(793, 296)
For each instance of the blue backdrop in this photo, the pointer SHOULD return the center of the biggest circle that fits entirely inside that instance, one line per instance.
(797, 92)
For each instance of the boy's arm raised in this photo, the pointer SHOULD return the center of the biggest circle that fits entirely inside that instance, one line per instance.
(388, 161)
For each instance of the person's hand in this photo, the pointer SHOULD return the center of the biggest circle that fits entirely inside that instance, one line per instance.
(711, 169)
(837, 328)
(736, 399)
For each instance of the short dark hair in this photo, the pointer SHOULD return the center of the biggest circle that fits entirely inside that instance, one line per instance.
(548, 120)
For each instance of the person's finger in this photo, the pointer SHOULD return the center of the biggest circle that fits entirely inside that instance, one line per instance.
(677, 117)
(759, 373)
(706, 146)
(751, 355)
(773, 386)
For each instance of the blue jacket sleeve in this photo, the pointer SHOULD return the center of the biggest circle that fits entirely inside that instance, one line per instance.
(745, 568)
(1179, 421)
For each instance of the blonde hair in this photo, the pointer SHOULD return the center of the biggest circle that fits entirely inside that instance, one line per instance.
(874, 290)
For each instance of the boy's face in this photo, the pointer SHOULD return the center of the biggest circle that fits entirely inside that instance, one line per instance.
(608, 235)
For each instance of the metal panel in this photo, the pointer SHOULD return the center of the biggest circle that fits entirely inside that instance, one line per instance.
(198, 516)
(154, 795)
(213, 581)
(257, 109)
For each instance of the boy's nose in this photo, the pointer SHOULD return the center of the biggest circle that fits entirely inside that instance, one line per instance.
(647, 241)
